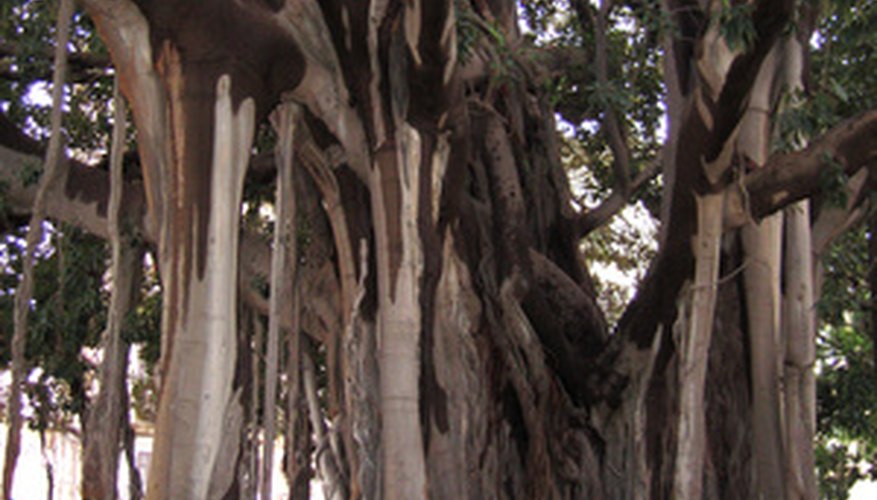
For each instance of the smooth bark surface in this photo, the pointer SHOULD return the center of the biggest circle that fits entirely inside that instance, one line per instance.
(694, 342)
(200, 415)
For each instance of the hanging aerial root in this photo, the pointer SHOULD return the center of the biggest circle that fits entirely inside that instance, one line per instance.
(103, 432)
(51, 175)
(283, 264)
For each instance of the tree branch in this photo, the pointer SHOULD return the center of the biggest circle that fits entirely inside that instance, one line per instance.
(52, 173)
(710, 118)
(789, 177)
(125, 31)
(615, 132)
(82, 202)
(593, 219)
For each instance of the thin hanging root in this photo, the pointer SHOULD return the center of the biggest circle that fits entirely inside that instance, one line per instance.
(327, 461)
(800, 353)
(100, 457)
(282, 271)
(51, 174)
(257, 331)
(315, 162)
(360, 390)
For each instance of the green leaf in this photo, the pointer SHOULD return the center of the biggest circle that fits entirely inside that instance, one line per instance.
(736, 26)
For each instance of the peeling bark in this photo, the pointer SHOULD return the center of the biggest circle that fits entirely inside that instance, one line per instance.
(453, 450)
(199, 410)
(361, 390)
(395, 176)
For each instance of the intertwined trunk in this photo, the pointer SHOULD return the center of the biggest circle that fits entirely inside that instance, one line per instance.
(441, 280)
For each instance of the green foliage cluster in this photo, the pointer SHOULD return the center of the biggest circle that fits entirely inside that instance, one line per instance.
(620, 249)
(68, 310)
(735, 24)
(842, 83)
(68, 313)
(847, 401)
(27, 28)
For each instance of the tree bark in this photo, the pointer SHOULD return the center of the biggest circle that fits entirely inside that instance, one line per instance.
(399, 318)
(799, 329)
(799, 379)
(199, 411)
(694, 343)
(468, 358)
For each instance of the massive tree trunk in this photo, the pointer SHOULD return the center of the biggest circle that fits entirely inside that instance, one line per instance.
(464, 351)
(200, 412)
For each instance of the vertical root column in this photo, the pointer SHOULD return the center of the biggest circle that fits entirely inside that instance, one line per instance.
(200, 418)
(762, 244)
(693, 350)
(800, 353)
(399, 320)
(283, 259)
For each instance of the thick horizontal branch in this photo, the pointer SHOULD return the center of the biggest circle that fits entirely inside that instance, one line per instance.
(789, 177)
(81, 200)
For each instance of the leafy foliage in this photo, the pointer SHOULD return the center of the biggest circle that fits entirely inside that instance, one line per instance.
(68, 314)
(842, 84)
(735, 25)
(846, 447)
